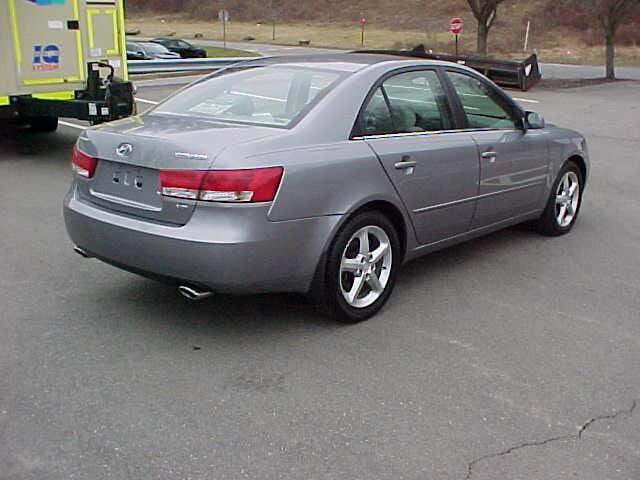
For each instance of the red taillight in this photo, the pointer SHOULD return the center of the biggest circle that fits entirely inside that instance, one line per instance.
(181, 183)
(252, 185)
(83, 164)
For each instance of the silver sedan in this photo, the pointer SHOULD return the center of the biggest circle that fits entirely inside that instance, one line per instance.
(320, 174)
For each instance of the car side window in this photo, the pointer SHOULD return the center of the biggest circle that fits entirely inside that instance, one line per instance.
(418, 102)
(376, 118)
(409, 102)
(482, 108)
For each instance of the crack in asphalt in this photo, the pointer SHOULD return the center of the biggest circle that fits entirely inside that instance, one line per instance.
(539, 443)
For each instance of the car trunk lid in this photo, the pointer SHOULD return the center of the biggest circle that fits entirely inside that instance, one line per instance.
(132, 152)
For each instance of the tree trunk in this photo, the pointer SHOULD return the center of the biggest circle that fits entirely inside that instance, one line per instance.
(483, 33)
(610, 36)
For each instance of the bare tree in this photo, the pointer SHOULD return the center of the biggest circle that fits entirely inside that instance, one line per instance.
(609, 14)
(485, 12)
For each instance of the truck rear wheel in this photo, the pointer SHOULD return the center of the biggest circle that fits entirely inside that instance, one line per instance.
(43, 124)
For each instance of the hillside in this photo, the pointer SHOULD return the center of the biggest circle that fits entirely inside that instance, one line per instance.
(556, 32)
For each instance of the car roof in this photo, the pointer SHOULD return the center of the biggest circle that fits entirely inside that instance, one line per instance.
(345, 61)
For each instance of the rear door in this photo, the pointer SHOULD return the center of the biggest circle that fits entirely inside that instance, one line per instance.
(103, 34)
(47, 41)
(409, 124)
(513, 163)
(183, 48)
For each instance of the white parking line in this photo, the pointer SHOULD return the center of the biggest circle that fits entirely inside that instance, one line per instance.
(150, 102)
(169, 81)
(566, 65)
(72, 125)
(525, 100)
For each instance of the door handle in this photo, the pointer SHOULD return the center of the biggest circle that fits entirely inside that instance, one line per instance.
(489, 156)
(405, 164)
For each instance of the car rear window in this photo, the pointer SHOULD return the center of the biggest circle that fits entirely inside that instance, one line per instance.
(277, 96)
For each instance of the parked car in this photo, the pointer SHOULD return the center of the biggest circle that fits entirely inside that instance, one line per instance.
(135, 52)
(318, 174)
(149, 51)
(181, 47)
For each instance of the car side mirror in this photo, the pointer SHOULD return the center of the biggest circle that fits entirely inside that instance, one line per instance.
(534, 120)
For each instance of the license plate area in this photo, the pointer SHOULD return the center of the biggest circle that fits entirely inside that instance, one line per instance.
(128, 183)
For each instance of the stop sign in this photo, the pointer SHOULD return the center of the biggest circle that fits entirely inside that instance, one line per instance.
(455, 26)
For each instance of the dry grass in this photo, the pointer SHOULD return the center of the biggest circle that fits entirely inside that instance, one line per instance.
(555, 45)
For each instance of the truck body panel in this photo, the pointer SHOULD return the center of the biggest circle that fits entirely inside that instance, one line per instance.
(52, 47)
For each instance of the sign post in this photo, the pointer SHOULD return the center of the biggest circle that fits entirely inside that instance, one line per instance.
(275, 16)
(363, 22)
(223, 16)
(455, 27)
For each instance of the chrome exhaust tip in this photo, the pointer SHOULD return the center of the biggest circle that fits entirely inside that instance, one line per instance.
(81, 251)
(193, 293)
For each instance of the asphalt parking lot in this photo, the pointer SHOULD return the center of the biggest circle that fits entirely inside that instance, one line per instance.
(510, 357)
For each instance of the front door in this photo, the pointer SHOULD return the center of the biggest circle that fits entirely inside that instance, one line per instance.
(513, 164)
(408, 124)
(47, 41)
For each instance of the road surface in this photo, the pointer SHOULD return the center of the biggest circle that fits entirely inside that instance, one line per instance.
(510, 357)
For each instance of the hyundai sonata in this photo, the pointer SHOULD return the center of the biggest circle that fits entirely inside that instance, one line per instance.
(319, 174)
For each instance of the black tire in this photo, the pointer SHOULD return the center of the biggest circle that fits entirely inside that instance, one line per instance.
(43, 124)
(548, 223)
(334, 300)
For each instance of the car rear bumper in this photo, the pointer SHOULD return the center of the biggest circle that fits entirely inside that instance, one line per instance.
(226, 248)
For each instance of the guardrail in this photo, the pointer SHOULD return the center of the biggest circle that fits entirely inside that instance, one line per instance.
(182, 65)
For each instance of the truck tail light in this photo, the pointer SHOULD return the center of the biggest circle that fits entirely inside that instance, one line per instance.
(251, 185)
(83, 164)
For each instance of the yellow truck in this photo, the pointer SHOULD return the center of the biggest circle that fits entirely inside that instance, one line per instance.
(63, 58)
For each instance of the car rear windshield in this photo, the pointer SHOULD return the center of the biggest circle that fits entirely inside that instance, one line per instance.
(277, 96)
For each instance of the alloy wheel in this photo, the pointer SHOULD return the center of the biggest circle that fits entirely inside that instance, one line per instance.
(365, 267)
(567, 199)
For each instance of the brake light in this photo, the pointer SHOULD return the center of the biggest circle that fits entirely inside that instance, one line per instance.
(181, 183)
(83, 164)
(251, 185)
